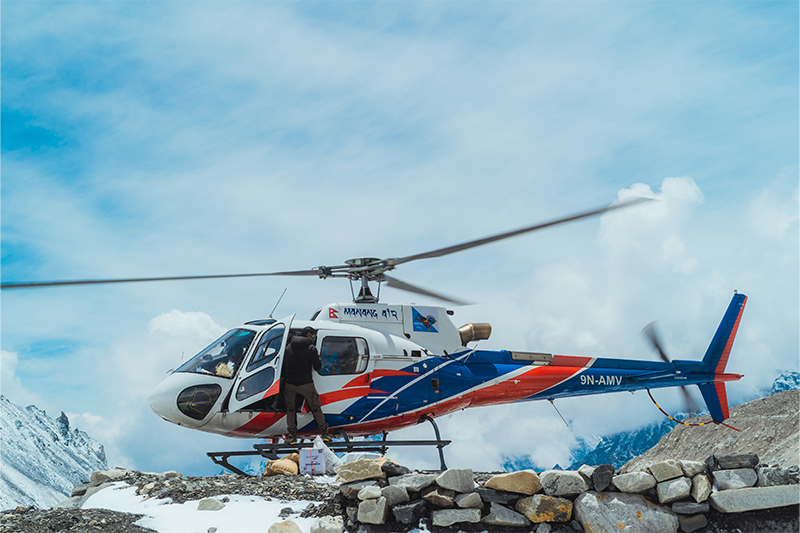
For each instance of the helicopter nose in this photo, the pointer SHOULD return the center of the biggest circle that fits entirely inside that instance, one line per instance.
(184, 399)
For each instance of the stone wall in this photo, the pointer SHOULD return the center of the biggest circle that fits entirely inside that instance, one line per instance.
(668, 496)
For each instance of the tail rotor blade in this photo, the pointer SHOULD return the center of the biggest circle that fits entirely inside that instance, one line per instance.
(650, 332)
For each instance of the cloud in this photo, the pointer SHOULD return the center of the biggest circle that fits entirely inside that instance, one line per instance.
(186, 324)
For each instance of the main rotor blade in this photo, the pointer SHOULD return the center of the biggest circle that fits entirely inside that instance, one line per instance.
(486, 240)
(403, 286)
(691, 406)
(650, 332)
(41, 284)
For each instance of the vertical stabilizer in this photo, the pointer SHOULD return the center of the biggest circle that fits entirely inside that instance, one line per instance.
(716, 357)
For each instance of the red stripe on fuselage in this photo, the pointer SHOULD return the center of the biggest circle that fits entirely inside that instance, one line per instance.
(723, 360)
(347, 394)
(258, 424)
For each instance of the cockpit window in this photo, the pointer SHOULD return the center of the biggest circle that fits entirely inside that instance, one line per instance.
(223, 357)
(268, 347)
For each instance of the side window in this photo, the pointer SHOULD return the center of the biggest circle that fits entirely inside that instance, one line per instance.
(343, 355)
(268, 347)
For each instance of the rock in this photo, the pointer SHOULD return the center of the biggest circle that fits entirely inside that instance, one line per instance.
(448, 517)
(103, 475)
(212, 530)
(471, 500)
(634, 482)
(395, 495)
(210, 504)
(457, 479)
(146, 488)
(497, 496)
(771, 476)
(563, 483)
(586, 471)
(286, 512)
(503, 516)
(540, 508)
(674, 489)
(287, 526)
(438, 496)
(619, 511)
(80, 490)
(544, 527)
(689, 508)
(711, 463)
(410, 513)
(601, 477)
(328, 524)
(692, 468)
(692, 523)
(731, 461)
(751, 499)
(374, 511)
(794, 474)
(168, 475)
(371, 492)
(392, 469)
(701, 488)
(359, 470)
(735, 479)
(666, 470)
(522, 482)
(413, 482)
(352, 515)
(351, 490)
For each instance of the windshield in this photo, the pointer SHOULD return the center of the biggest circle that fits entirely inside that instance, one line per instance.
(223, 356)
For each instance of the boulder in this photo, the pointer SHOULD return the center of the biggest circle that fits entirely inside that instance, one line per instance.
(73, 502)
(505, 517)
(772, 475)
(328, 524)
(540, 508)
(410, 513)
(735, 479)
(794, 474)
(351, 490)
(471, 500)
(586, 471)
(373, 511)
(210, 504)
(689, 508)
(563, 483)
(601, 477)
(438, 496)
(497, 496)
(370, 492)
(448, 517)
(391, 469)
(692, 523)
(457, 479)
(521, 482)
(287, 526)
(666, 470)
(692, 468)
(104, 475)
(754, 498)
(359, 470)
(634, 482)
(168, 475)
(413, 482)
(701, 488)
(619, 511)
(674, 490)
(731, 461)
(395, 495)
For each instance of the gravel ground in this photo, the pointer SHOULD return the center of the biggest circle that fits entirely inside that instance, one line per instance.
(32, 520)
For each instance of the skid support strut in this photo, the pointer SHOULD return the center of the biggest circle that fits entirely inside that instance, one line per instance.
(438, 439)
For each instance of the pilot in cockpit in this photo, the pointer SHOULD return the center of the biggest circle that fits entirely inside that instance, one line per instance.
(231, 356)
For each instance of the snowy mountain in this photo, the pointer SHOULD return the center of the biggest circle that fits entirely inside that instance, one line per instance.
(789, 380)
(42, 458)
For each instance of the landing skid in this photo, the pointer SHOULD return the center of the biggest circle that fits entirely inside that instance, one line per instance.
(273, 451)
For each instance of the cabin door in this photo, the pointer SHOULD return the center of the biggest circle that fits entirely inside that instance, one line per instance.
(259, 377)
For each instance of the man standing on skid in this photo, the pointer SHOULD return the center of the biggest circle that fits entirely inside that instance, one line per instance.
(300, 356)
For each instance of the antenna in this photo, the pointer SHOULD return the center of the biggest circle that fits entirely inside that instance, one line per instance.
(276, 304)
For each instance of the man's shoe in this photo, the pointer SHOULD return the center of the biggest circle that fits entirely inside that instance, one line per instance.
(326, 437)
(291, 440)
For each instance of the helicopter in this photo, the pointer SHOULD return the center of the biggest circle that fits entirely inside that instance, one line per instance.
(389, 366)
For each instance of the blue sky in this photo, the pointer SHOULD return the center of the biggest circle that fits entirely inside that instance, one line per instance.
(176, 138)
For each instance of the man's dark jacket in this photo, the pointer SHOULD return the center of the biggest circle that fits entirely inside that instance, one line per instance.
(299, 357)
